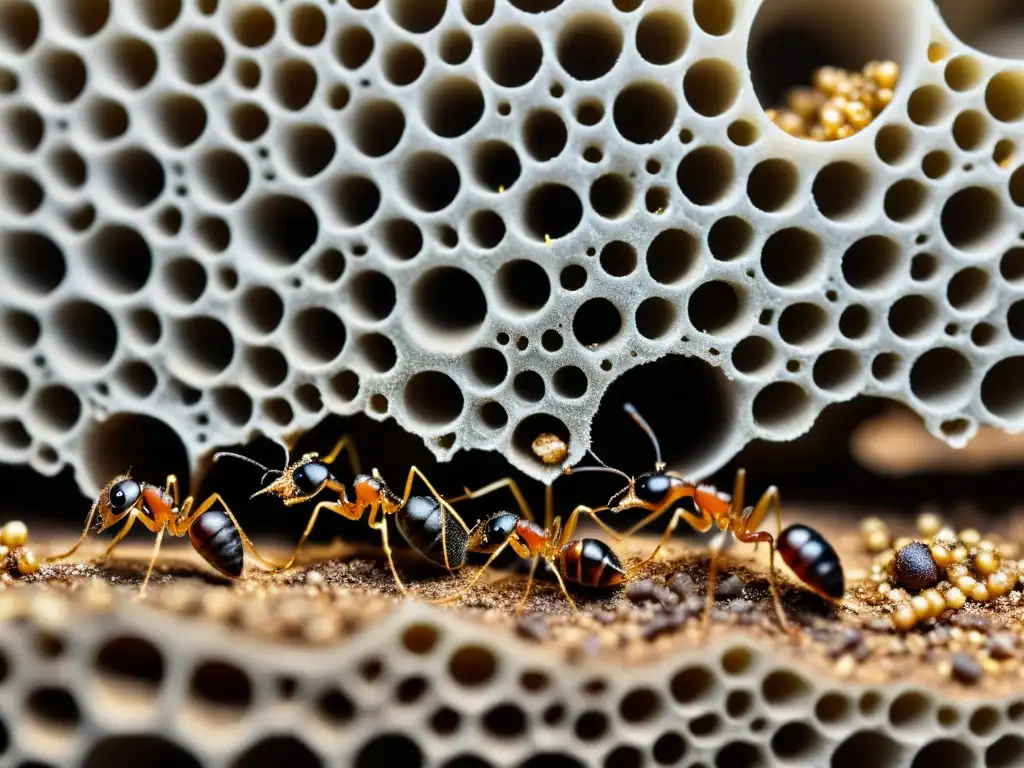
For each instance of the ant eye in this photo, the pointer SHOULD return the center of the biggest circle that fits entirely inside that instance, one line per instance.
(500, 527)
(310, 476)
(124, 495)
(653, 488)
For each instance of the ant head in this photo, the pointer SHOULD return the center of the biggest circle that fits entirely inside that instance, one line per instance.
(491, 533)
(121, 494)
(308, 475)
(648, 491)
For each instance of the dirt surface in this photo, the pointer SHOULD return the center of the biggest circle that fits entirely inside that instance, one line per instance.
(338, 591)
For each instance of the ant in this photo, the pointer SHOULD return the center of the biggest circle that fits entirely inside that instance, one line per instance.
(215, 534)
(587, 562)
(803, 549)
(428, 523)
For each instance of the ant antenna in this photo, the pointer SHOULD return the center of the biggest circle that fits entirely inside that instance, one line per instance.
(603, 468)
(266, 470)
(642, 423)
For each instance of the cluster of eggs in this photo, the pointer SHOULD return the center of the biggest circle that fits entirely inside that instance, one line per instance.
(16, 559)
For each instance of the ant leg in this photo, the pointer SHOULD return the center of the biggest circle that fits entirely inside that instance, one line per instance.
(382, 526)
(631, 532)
(507, 482)
(353, 456)
(709, 598)
(132, 517)
(521, 605)
(700, 524)
(81, 539)
(171, 486)
(472, 582)
(186, 522)
(152, 562)
(570, 526)
(561, 583)
(549, 506)
(749, 533)
(332, 506)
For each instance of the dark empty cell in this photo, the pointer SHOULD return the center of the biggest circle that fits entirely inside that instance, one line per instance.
(318, 334)
(655, 317)
(130, 659)
(927, 105)
(870, 262)
(403, 63)
(912, 316)
(200, 57)
(752, 354)
(869, 748)
(23, 127)
(640, 705)
(771, 184)
(589, 45)
(940, 375)
(969, 130)
(590, 113)
(416, 15)
(1005, 752)
(70, 169)
(552, 210)
(962, 73)
(140, 750)
(661, 36)
(936, 164)
(466, 761)
(892, 144)
(536, 6)
(14, 436)
(885, 366)
(714, 307)
(213, 233)
(644, 112)
(618, 259)
(180, 119)
(345, 385)
(282, 227)
(224, 174)
(573, 277)
(477, 12)
(20, 328)
(19, 25)
(710, 87)
(672, 256)
(544, 134)
(431, 181)
(433, 398)
(21, 193)
(1015, 320)
(402, 238)
(524, 286)
(31, 262)
(705, 175)
(839, 189)
(377, 127)
(486, 229)
(184, 279)
(551, 760)
(276, 751)
(1011, 265)
(778, 405)
(596, 322)
(551, 340)
(54, 707)
(791, 256)
(261, 309)
(252, 25)
(293, 83)
(945, 752)
(248, 73)
(374, 294)
(448, 301)
(308, 25)
(493, 415)
(353, 47)
(571, 382)
(453, 106)
(222, 685)
(739, 754)
(656, 200)
(1002, 389)
(624, 756)
(496, 166)
(729, 238)
(971, 218)
(455, 47)
(1004, 96)
(513, 56)
(308, 148)
(138, 379)
(611, 196)
(62, 75)
(1017, 187)
(248, 121)
(411, 689)
(336, 706)
(984, 334)
(203, 345)
(968, 289)
(529, 386)
(132, 61)
(802, 323)
(356, 199)
(905, 199)
(87, 333)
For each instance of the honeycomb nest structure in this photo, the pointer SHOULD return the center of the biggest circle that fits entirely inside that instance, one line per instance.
(415, 686)
(473, 216)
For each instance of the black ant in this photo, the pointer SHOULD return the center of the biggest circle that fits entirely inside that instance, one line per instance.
(428, 523)
(215, 534)
(803, 549)
(586, 562)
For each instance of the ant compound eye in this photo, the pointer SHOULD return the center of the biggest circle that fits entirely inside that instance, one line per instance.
(310, 476)
(653, 488)
(499, 528)
(124, 495)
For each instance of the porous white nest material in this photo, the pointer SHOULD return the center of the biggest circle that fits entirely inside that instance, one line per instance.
(225, 217)
(419, 688)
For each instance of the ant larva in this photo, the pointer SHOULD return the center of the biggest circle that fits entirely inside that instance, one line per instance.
(808, 554)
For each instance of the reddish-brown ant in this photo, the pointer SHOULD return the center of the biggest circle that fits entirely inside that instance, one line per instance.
(428, 523)
(214, 533)
(586, 562)
(806, 551)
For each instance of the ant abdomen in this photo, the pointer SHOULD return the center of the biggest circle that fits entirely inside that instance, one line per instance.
(813, 560)
(591, 563)
(420, 522)
(215, 537)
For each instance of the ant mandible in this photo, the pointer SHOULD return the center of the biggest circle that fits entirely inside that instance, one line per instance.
(428, 523)
(803, 549)
(587, 562)
(215, 534)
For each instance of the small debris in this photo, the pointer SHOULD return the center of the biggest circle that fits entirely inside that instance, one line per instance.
(682, 584)
(665, 596)
(640, 591)
(533, 627)
(966, 668)
(741, 606)
(1002, 646)
(729, 588)
(664, 623)
(914, 567)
